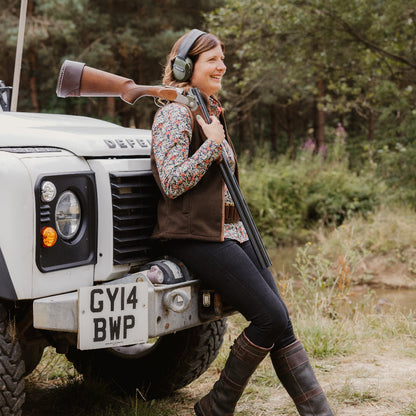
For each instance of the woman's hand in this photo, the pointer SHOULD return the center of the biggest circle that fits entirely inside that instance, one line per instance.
(214, 131)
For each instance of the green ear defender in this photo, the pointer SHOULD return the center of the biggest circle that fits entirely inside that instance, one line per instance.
(182, 66)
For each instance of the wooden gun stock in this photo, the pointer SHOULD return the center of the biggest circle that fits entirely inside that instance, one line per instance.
(78, 80)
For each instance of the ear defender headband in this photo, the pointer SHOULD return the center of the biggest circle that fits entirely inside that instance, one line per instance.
(182, 66)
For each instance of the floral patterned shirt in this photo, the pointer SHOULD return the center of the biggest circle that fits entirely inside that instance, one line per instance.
(171, 137)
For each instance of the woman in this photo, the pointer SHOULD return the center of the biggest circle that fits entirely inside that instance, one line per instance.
(198, 223)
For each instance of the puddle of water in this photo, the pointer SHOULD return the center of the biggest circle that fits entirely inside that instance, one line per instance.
(401, 299)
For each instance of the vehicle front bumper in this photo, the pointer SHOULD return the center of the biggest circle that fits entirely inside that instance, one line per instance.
(163, 309)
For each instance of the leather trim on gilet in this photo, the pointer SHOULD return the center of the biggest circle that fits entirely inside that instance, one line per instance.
(198, 213)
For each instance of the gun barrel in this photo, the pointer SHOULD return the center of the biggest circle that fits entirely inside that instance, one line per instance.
(237, 196)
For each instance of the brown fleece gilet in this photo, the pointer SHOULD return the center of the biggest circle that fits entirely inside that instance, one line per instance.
(198, 213)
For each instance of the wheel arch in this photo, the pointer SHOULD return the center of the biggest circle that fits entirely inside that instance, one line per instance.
(7, 290)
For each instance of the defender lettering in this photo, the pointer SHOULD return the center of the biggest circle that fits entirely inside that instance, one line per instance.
(125, 143)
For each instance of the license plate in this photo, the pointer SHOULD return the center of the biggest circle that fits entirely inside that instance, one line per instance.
(112, 315)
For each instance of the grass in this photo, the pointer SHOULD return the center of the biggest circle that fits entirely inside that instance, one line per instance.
(324, 338)
(352, 396)
(51, 391)
(389, 231)
(365, 357)
(410, 411)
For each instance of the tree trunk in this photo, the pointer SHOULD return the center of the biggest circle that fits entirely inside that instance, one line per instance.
(241, 134)
(251, 132)
(260, 130)
(290, 134)
(111, 107)
(273, 127)
(319, 131)
(371, 125)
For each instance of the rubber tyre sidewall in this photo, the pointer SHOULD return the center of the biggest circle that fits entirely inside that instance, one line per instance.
(12, 369)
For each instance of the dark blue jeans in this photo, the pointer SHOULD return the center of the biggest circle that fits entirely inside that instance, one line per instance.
(233, 271)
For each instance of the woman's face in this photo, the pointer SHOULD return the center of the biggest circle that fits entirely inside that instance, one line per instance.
(208, 71)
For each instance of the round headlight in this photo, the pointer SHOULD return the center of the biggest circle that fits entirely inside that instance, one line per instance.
(47, 191)
(67, 215)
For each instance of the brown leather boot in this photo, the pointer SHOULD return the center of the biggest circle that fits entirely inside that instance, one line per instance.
(295, 372)
(241, 363)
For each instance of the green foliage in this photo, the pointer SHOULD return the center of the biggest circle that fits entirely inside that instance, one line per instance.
(396, 165)
(277, 52)
(127, 38)
(289, 197)
(361, 51)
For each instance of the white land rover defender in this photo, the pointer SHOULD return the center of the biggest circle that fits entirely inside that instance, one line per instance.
(78, 270)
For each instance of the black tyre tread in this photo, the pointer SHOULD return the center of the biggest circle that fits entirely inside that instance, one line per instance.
(198, 359)
(177, 360)
(12, 370)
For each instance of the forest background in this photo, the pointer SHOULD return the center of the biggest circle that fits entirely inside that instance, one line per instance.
(326, 78)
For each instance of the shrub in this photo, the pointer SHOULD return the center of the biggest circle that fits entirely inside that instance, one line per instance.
(289, 197)
(396, 165)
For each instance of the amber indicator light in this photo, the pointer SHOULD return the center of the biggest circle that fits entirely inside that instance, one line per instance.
(49, 236)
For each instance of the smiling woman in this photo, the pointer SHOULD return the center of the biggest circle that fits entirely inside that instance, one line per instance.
(199, 224)
(209, 70)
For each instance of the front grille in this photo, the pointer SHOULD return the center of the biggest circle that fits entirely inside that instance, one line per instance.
(134, 197)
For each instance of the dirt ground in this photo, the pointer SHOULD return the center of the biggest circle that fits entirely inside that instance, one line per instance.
(378, 379)
(363, 384)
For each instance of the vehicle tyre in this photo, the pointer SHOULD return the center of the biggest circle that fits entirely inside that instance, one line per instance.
(156, 369)
(12, 369)
(31, 355)
(31, 340)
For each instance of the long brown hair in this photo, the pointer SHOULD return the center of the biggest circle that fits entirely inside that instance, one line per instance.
(204, 43)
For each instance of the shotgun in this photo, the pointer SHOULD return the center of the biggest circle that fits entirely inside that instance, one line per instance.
(78, 80)
(235, 191)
